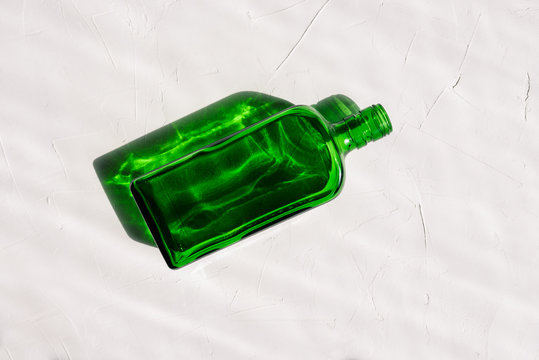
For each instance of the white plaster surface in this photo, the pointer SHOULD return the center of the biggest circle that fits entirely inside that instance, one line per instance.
(430, 252)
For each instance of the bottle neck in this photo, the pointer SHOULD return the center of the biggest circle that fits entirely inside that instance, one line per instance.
(353, 128)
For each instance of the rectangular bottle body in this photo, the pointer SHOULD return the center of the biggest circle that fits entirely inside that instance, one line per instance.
(249, 180)
(118, 168)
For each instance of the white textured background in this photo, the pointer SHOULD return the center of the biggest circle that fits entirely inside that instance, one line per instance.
(430, 252)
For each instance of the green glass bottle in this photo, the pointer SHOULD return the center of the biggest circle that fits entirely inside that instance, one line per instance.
(232, 168)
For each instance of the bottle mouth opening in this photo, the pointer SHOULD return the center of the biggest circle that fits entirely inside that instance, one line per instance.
(381, 121)
(370, 124)
(378, 122)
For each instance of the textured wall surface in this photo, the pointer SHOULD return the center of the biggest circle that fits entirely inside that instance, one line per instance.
(430, 252)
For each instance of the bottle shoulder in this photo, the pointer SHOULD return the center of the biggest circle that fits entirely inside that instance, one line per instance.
(326, 131)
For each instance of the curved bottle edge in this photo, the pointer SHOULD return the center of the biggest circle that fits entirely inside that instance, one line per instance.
(148, 217)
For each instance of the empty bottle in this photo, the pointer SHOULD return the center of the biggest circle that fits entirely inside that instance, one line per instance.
(233, 168)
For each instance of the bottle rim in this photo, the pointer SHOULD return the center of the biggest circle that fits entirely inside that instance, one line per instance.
(381, 118)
